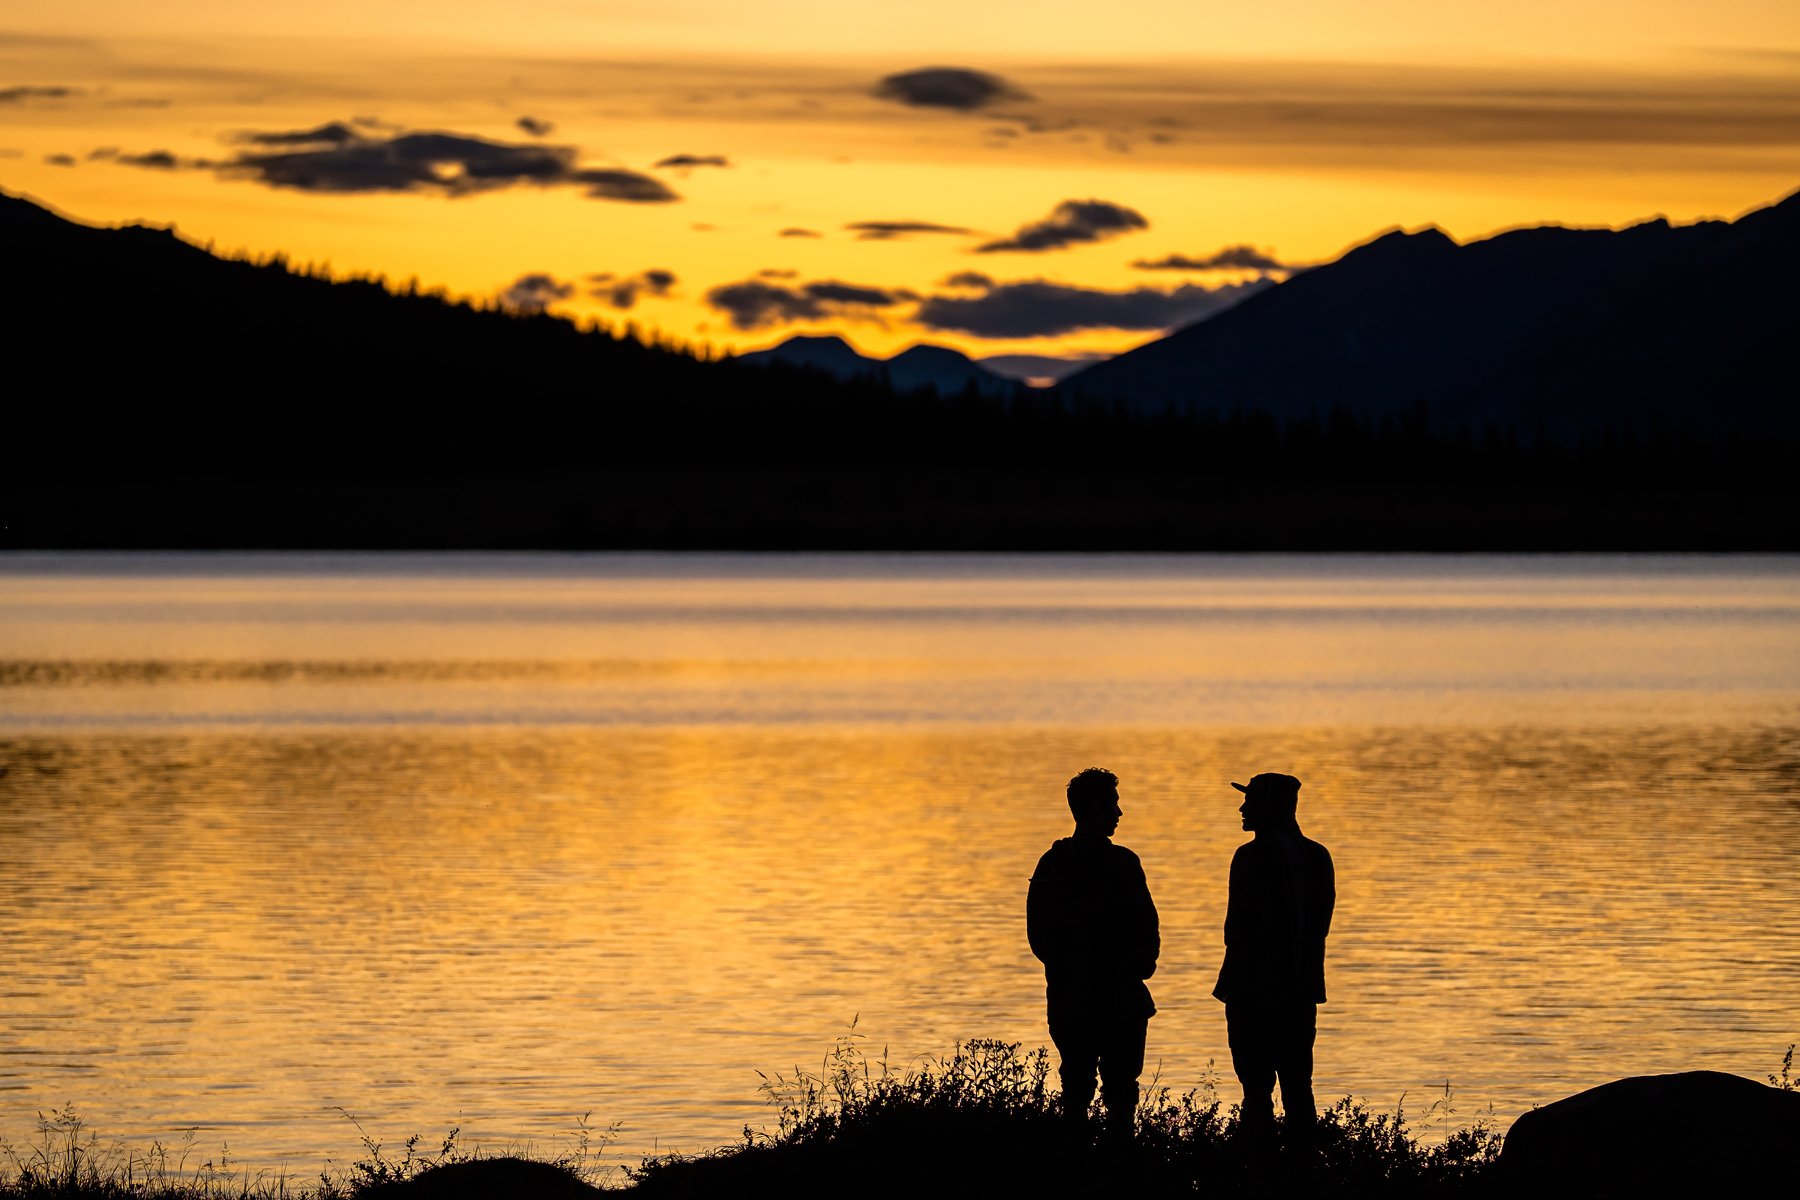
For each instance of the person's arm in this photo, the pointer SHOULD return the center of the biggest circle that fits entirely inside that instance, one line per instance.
(1236, 915)
(1327, 893)
(1040, 915)
(1236, 902)
(1148, 927)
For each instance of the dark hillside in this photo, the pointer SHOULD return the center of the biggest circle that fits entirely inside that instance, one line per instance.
(159, 396)
(1575, 333)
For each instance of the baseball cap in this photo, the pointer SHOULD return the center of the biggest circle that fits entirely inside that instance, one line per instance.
(1270, 781)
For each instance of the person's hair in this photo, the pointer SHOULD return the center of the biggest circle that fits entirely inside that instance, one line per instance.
(1091, 789)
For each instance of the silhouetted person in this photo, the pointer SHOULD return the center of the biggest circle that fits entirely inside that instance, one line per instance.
(1091, 921)
(1283, 889)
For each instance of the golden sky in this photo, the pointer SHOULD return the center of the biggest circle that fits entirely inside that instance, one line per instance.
(733, 173)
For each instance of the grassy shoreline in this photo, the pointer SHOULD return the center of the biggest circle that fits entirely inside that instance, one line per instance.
(982, 1121)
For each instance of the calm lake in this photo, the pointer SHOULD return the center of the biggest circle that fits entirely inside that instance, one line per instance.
(496, 841)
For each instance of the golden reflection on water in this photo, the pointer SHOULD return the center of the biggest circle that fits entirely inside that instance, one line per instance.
(501, 928)
(492, 842)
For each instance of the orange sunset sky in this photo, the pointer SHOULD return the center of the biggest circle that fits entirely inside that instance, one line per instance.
(732, 173)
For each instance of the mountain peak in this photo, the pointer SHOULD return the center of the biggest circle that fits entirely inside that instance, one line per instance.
(1398, 244)
(814, 341)
(926, 352)
(920, 366)
(823, 352)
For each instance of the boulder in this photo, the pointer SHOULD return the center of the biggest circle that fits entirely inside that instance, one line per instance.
(496, 1179)
(1656, 1134)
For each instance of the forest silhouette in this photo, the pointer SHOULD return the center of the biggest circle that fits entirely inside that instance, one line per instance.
(166, 397)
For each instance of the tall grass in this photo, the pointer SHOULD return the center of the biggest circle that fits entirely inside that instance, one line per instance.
(69, 1160)
(984, 1121)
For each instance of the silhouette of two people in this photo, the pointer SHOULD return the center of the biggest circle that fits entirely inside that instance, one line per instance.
(1092, 923)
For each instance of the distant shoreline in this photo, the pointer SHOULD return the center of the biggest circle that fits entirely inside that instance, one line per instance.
(767, 510)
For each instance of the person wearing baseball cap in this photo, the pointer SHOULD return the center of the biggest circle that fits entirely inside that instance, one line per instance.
(1283, 888)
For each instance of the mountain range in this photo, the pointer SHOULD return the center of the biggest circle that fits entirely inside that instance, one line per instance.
(924, 365)
(949, 371)
(158, 395)
(1550, 330)
(1569, 332)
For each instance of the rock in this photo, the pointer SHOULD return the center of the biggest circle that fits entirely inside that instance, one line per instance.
(1655, 1134)
(496, 1179)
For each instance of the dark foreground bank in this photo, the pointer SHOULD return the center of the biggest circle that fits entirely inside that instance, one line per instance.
(981, 1122)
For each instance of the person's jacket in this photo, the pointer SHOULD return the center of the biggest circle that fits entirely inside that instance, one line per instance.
(1091, 922)
(1283, 889)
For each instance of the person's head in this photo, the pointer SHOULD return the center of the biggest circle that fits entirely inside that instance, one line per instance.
(1094, 801)
(1270, 800)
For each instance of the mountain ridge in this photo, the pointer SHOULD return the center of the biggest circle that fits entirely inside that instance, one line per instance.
(921, 365)
(163, 397)
(1552, 329)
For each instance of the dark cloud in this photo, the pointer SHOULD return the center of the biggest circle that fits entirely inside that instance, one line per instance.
(1039, 308)
(1266, 113)
(18, 95)
(614, 183)
(624, 292)
(753, 304)
(60, 160)
(156, 160)
(1242, 258)
(980, 306)
(535, 127)
(955, 88)
(1073, 223)
(534, 293)
(340, 158)
(800, 233)
(832, 292)
(447, 163)
(886, 231)
(334, 134)
(153, 160)
(756, 304)
(694, 160)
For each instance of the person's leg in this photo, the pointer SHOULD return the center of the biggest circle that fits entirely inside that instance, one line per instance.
(1294, 1064)
(1079, 1051)
(1121, 1062)
(1247, 1034)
